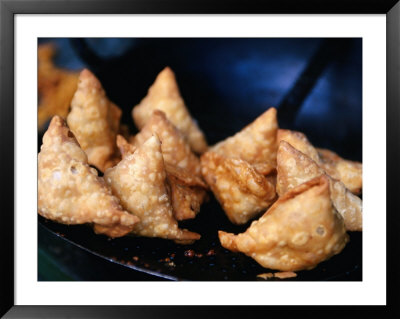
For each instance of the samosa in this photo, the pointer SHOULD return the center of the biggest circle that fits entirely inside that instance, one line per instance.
(139, 180)
(299, 231)
(164, 95)
(95, 121)
(348, 172)
(69, 190)
(188, 190)
(241, 190)
(255, 144)
(295, 168)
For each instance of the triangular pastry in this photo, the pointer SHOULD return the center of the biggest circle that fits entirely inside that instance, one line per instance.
(176, 151)
(186, 196)
(125, 148)
(348, 172)
(139, 180)
(299, 231)
(69, 190)
(187, 188)
(255, 144)
(95, 121)
(164, 95)
(300, 142)
(240, 189)
(295, 168)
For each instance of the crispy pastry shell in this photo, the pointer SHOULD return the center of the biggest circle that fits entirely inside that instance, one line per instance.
(94, 120)
(299, 231)
(240, 189)
(139, 180)
(69, 190)
(255, 144)
(295, 168)
(348, 172)
(164, 95)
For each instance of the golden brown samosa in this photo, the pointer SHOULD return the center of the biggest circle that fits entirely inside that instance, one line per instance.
(69, 190)
(176, 151)
(56, 86)
(139, 180)
(188, 190)
(164, 95)
(348, 172)
(295, 168)
(95, 120)
(186, 195)
(300, 142)
(125, 148)
(239, 188)
(299, 231)
(255, 144)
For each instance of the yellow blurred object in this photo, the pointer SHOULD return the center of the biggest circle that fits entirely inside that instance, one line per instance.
(56, 86)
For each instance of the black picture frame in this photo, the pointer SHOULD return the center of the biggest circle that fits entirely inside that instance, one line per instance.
(8, 10)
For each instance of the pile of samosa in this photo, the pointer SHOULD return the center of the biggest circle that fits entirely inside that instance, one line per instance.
(307, 195)
(150, 181)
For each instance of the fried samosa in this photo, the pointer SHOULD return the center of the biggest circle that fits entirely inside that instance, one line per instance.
(300, 142)
(56, 86)
(239, 188)
(348, 172)
(164, 95)
(255, 144)
(188, 190)
(69, 190)
(294, 168)
(125, 148)
(139, 180)
(176, 151)
(299, 231)
(95, 121)
(186, 196)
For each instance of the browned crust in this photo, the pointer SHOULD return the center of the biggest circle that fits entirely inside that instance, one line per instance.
(69, 190)
(164, 95)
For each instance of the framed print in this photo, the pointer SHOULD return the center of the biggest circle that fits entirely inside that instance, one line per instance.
(237, 153)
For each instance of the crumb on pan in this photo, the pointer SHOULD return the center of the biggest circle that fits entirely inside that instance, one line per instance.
(280, 275)
(285, 274)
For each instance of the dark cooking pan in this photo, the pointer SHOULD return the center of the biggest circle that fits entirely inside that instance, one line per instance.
(226, 83)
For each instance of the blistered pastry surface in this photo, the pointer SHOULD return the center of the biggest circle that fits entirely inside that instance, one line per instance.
(164, 95)
(176, 151)
(70, 191)
(295, 168)
(299, 231)
(139, 180)
(255, 144)
(94, 120)
(240, 189)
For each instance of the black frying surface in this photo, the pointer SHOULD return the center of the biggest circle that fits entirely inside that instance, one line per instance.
(206, 260)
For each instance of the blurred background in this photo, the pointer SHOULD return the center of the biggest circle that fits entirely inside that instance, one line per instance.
(316, 85)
